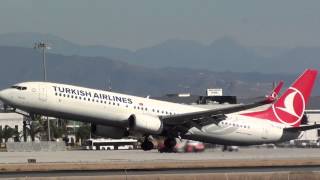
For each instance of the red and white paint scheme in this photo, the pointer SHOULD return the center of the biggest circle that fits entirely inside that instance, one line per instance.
(118, 115)
(289, 109)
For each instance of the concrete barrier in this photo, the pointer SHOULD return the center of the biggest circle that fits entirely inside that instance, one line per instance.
(157, 165)
(207, 176)
(35, 146)
(51, 168)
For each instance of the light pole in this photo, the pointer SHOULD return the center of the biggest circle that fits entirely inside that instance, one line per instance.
(43, 46)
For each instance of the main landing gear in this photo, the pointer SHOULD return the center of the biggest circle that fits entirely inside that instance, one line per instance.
(147, 145)
(168, 145)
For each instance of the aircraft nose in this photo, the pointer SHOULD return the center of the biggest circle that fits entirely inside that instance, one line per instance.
(1, 94)
(4, 94)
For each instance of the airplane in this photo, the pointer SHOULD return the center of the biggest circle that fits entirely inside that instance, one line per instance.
(118, 115)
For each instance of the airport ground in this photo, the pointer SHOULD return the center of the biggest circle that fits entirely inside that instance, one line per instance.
(247, 163)
(154, 155)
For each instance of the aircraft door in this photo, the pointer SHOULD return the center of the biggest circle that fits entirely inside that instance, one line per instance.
(265, 133)
(42, 93)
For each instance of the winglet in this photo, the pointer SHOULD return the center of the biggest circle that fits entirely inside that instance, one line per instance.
(274, 94)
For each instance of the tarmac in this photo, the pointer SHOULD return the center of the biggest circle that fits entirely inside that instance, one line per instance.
(247, 163)
(84, 156)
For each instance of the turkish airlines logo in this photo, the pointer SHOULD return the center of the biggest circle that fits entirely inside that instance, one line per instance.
(290, 110)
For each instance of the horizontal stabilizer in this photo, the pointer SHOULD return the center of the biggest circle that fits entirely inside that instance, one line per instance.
(302, 128)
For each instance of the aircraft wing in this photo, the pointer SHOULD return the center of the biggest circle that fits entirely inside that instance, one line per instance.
(208, 116)
(202, 118)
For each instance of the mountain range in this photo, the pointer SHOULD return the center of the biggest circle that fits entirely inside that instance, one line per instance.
(25, 64)
(223, 54)
(170, 67)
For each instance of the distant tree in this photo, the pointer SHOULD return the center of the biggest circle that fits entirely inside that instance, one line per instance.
(57, 131)
(83, 133)
(39, 126)
(9, 132)
(36, 126)
(16, 135)
(1, 136)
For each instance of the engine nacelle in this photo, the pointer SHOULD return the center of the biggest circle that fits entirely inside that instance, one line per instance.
(109, 131)
(145, 123)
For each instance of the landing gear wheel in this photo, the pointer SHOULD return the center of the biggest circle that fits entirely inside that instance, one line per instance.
(169, 145)
(224, 148)
(147, 145)
(170, 142)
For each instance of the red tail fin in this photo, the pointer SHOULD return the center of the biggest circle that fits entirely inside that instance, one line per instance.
(289, 108)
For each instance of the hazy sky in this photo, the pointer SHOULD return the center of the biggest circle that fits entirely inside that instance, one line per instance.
(134, 24)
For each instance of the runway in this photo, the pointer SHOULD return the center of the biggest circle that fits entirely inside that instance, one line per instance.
(248, 163)
(141, 156)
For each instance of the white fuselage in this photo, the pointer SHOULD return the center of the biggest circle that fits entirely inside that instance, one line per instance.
(114, 109)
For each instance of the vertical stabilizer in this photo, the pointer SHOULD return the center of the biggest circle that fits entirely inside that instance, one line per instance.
(289, 108)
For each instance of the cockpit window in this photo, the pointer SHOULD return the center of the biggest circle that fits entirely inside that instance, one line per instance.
(15, 87)
(19, 87)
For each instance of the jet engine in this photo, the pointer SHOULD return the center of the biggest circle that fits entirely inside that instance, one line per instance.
(145, 123)
(109, 131)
